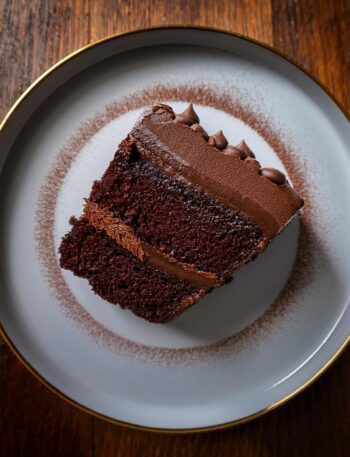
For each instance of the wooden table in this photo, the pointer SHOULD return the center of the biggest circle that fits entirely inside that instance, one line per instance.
(37, 33)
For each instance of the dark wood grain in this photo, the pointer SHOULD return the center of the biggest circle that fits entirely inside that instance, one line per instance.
(34, 35)
(317, 35)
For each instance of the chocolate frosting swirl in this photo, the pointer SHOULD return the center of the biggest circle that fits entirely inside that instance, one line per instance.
(188, 117)
(233, 150)
(218, 140)
(273, 175)
(246, 149)
(199, 129)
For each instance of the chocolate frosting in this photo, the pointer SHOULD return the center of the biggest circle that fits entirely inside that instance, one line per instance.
(273, 175)
(245, 148)
(179, 151)
(199, 129)
(218, 140)
(233, 150)
(188, 117)
(242, 146)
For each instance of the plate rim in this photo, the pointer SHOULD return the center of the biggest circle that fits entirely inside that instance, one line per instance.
(40, 377)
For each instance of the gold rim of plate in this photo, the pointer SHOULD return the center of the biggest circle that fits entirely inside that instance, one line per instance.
(34, 372)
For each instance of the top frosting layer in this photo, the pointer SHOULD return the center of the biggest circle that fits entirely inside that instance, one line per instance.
(179, 146)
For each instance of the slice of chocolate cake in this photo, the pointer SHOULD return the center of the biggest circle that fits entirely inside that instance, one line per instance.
(174, 215)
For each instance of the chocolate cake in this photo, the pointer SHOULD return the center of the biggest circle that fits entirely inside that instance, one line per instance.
(174, 215)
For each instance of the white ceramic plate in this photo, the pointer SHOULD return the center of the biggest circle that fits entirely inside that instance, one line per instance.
(245, 348)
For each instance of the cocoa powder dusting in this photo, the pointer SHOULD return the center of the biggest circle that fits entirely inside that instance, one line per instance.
(302, 270)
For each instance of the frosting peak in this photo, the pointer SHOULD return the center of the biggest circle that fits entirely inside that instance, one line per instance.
(188, 117)
(233, 150)
(246, 149)
(218, 140)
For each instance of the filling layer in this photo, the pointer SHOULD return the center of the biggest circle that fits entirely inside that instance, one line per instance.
(120, 278)
(102, 219)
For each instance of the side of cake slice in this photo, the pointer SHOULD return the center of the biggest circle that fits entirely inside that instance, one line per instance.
(180, 206)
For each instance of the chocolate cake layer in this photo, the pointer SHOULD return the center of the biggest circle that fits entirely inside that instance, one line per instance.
(171, 144)
(121, 278)
(183, 224)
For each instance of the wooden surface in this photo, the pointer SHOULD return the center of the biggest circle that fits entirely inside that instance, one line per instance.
(35, 34)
